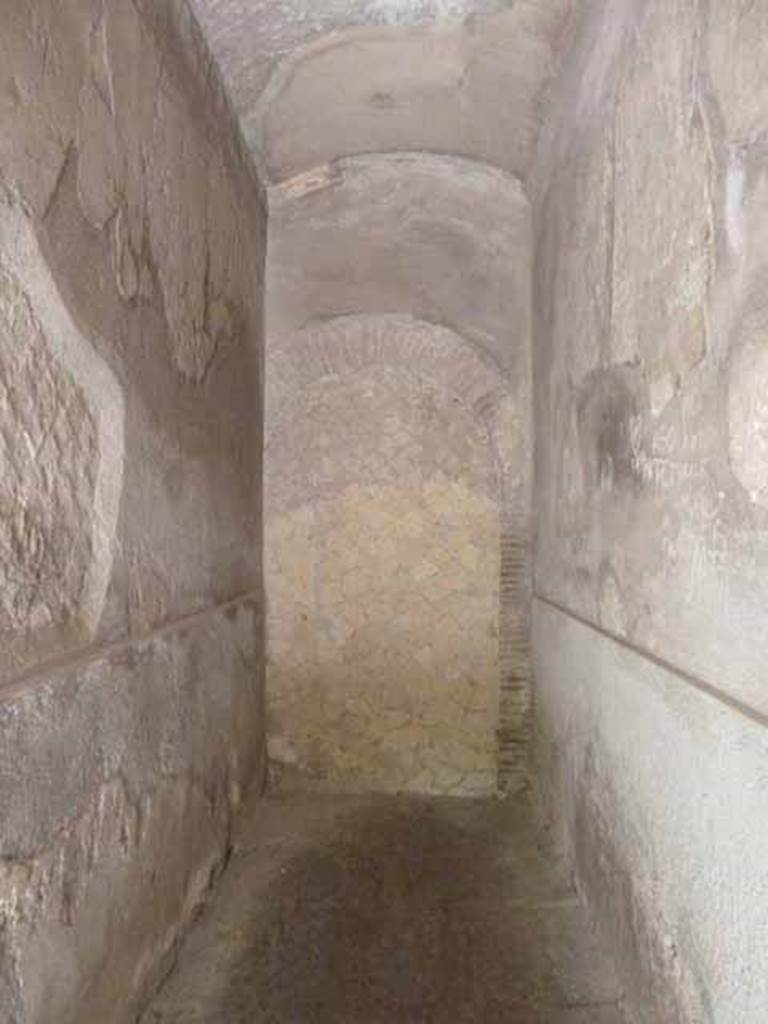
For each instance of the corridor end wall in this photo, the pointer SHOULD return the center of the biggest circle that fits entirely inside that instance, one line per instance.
(397, 475)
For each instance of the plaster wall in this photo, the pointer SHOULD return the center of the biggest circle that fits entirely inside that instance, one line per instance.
(130, 611)
(651, 254)
(397, 475)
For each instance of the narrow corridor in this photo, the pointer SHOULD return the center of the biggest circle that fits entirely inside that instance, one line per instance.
(383, 410)
(371, 910)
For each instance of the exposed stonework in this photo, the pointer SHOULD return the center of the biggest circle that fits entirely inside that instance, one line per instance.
(454, 393)
(61, 418)
(48, 476)
(131, 267)
(120, 776)
(383, 635)
(382, 539)
(314, 82)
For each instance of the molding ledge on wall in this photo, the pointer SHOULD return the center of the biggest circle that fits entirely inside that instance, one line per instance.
(694, 681)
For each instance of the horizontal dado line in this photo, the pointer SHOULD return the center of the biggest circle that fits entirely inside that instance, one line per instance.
(694, 681)
(40, 673)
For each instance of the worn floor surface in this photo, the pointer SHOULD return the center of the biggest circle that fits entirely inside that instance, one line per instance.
(376, 910)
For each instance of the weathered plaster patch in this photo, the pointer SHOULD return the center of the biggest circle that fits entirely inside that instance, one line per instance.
(659, 791)
(383, 637)
(651, 260)
(734, 201)
(63, 416)
(382, 566)
(582, 289)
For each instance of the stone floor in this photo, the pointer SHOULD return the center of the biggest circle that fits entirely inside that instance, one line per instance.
(374, 910)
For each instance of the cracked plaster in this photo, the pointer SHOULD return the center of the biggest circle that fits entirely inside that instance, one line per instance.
(383, 583)
(392, 627)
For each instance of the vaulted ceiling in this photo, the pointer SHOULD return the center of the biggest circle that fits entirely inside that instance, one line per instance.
(314, 80)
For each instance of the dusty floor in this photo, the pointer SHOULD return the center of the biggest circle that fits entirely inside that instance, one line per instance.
(375, 910)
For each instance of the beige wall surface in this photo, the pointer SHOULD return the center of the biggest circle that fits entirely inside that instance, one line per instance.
(382, 558)
(650, 502)
(130, 319)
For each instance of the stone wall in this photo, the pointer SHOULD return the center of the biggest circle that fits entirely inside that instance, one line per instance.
(131, 251)
(397, 474)
(652, 538)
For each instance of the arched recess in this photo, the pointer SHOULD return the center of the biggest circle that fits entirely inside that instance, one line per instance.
(396, 538)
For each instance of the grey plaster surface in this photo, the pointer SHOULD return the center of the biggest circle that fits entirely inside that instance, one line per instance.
(374, 910)
(383, 481)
